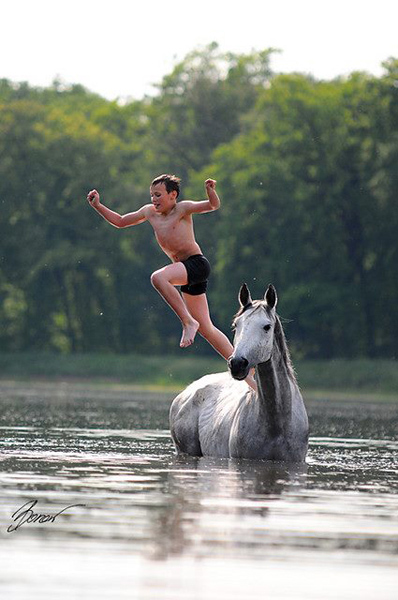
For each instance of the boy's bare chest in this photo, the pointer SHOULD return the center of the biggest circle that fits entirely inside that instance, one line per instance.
(170, 226)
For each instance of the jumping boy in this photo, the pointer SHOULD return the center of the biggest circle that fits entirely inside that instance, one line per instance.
(173, 226)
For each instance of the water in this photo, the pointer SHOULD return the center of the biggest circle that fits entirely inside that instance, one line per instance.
(157, 526)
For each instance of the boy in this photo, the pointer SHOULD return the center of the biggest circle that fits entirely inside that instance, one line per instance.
(173, 227)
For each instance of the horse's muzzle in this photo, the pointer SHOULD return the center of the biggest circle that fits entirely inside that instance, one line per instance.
(239, 367)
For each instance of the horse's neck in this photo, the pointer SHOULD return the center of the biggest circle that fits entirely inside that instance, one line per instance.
(274, 392)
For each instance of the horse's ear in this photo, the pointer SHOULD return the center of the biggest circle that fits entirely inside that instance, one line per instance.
(270, 296)
(244, 296)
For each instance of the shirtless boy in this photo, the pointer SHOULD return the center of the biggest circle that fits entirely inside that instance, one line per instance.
(173, 227)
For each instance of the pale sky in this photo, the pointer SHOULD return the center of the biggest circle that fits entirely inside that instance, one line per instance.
(119, 48)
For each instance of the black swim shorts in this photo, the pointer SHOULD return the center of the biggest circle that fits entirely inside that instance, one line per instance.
(198, 269)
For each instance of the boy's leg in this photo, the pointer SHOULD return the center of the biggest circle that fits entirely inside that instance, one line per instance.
(164, 281)
(199, 309)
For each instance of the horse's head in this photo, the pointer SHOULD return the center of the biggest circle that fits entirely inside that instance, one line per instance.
(254, 331)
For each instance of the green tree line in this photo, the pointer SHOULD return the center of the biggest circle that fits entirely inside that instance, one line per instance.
(307, 173)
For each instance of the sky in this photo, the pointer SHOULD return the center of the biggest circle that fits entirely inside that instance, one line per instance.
(120, 48)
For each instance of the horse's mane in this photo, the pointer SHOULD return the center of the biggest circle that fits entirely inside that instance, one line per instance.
(280, 340)
(279, 335)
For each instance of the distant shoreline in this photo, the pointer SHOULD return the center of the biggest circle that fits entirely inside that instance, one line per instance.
(337, 379)
(56, 387)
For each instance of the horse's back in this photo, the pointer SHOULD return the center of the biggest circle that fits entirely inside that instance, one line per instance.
(200, 414)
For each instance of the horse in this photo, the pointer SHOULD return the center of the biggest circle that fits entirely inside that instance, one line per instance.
(219, 415)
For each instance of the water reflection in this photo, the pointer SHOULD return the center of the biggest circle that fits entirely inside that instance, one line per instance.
(216, 502)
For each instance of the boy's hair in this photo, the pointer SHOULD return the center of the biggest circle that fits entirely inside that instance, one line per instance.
(171, 182)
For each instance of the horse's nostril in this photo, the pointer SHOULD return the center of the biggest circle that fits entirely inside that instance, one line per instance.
(239, 362)
(238, 366)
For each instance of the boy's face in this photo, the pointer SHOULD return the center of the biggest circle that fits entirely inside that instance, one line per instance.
(162, 200)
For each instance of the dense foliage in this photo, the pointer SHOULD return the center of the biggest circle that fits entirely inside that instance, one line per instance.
(307, 172)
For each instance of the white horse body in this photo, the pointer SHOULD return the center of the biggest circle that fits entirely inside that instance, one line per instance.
(218, 415)
(204, 415)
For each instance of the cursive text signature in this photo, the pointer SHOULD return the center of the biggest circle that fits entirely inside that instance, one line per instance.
(25, 514)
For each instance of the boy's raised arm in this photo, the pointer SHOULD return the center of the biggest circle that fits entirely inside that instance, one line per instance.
(114, 218)
(212, 203)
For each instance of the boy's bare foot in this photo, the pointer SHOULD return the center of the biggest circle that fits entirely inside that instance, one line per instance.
(188, 333)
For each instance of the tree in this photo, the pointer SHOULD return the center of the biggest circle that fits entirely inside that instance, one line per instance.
(201, 103)
(303, 209)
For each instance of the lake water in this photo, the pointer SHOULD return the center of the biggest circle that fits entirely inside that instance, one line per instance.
(156, 526)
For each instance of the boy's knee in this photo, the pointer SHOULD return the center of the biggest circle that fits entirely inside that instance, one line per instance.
(156, 279)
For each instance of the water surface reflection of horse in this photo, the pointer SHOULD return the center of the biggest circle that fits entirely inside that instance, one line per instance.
(218, 415)
(217, 504)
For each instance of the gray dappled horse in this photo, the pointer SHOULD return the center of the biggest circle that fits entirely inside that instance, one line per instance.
(219, 415)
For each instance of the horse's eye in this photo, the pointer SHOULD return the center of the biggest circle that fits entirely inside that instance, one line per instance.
(267, 327)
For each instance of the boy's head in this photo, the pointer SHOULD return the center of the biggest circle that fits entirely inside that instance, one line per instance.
(171, 183)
